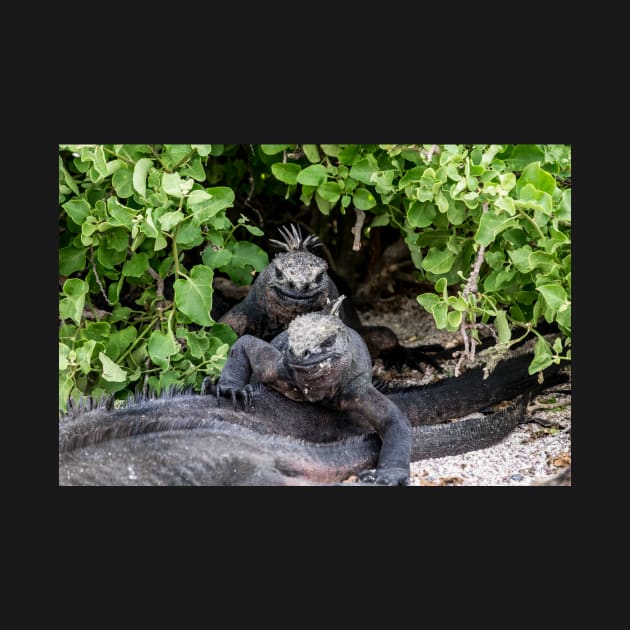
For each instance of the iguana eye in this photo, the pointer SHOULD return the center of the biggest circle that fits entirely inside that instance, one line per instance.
(279, 274)
(328, 343)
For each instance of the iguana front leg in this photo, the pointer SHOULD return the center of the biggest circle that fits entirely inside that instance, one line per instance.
(249, 356)
(395, 431)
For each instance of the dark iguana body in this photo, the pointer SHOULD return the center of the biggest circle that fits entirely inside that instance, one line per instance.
(297, 282)
(319, 359)
(155, 445)
(191, 440)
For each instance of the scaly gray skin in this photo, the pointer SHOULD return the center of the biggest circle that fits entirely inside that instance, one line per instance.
(319, 359)
(187, 439)
(296, 282)
(152, 444)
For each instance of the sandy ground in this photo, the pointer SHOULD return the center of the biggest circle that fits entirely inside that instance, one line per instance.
(531, 455)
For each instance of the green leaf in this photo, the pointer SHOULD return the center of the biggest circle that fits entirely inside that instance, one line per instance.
(542, 261)
(494, 259)
(363, 170)
(197, 342)
(162, 346)
(71, 307)
(272, 149)
(564, 208)
(420, 215)
(412, 175)
(530, 197)
(68, 179)
(331, 149)
(63, 356)
(524, 154)
(99, 331)
(112, 372)
(521, 258)
(202, 149)
(193, 296)
(538, 177)
(440, 312)
(323, 205)
(136, 265)
(140, 171)
(442, 202)
(564, 318)
(490, 226)
(84, 355)
(312, 153)
(313, 175)
(195, 170)
(100, 163)
(119, 341)
(438, 261)
(507, 204)
(428, 301)
(555, 296)
(330, 191)
(169, 220)
(542, 356)
(363, 199)
(286, 172)
(508, 181)
(249, 254)
(456, 212)
(120, 214)
(174, 154)
(489, 154)
(454, 319)
(122, 183)
(380, 220)
(205, 204)
(215, 258)
(503, 328)
(189, 233)
(77, 209)
(71, 259)
(172, 184)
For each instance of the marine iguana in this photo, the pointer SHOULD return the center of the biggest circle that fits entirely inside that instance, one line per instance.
(296, 282)
(187, 439)
(321, 360)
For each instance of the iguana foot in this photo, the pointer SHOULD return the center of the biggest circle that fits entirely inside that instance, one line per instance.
(385, 476)
(246, 394)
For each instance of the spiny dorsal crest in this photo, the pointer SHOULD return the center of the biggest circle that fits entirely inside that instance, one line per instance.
(334, 308)
(293, 240)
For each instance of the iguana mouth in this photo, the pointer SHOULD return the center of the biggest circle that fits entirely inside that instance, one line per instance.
(299, 297)
(307, 365)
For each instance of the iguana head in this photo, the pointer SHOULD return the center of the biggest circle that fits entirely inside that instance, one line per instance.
(295, 282)
(319, 353)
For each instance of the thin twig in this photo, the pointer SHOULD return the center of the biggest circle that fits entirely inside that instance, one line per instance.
(356, 230)
(471, 287)
(96, 276)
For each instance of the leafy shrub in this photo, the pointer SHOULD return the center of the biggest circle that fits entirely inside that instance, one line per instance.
(489, 225)
(144, 228)
(134, 306)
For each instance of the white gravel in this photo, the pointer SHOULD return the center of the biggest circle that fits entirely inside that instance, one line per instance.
(530, 455)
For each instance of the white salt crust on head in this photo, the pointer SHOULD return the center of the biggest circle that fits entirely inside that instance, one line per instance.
(307, 331)
(300, 268)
